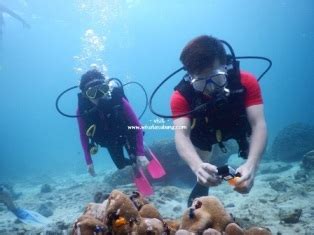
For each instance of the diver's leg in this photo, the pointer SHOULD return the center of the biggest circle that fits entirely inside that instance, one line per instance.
(117, 156)
(200, 190)
(204, 154)
(130, 145)
(131, 142)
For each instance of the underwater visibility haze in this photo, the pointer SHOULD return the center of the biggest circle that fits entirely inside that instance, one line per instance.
(51, 44)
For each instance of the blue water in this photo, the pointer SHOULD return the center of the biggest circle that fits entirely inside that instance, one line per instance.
(141, 41)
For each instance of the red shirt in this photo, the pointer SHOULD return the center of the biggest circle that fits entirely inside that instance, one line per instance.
(179, 104)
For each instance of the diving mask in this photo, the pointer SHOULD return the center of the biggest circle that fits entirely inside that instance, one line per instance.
(97, 91)
(217, 80)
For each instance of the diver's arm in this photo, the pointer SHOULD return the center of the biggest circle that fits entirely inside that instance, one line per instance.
(183, 143)
(84, 139)
(4, 9)
(134, 122)
(256, 119)
(205, 173)
(258, 141)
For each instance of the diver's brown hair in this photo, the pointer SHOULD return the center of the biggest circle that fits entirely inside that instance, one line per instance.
(90, 76)
(201, 52)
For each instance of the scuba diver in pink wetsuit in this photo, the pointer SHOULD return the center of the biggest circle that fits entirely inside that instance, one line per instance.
(106, 119)
(107, 125)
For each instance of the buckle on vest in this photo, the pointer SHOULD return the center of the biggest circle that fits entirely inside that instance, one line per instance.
(193, 123)
(91, 131)
(218, 136)
(93, 149)
(219, 140)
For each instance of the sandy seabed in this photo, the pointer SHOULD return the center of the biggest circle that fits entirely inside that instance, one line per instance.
(273, 192)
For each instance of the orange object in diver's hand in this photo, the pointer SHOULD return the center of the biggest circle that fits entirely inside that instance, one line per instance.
(233, 181)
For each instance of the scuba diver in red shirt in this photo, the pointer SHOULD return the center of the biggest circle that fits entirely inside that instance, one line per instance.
(216, 101)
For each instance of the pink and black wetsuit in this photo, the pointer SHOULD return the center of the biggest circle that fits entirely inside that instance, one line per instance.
(131, 139)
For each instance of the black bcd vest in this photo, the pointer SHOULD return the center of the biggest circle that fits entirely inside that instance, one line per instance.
(110, 123)
(212, 124)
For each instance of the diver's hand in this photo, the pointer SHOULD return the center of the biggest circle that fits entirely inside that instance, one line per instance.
(207, 175)
(142, 161)
(246, 181)
(90, 169)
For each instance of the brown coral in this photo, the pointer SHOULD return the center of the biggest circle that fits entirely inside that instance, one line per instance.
(206, 212)
(257, 231)
(234, 229)
(96, 210)
(150, 226)
(88, 225)
(149, 211)
(121, 215)
(120, 204)
(172, 226)
(146, 210)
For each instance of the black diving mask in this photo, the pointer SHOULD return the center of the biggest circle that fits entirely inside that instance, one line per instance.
(216, 81)
(213, 85)
(97, 91)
